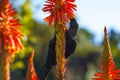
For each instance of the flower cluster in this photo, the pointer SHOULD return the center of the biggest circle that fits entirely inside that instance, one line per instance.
(60, 10)
(107, 63)
(9, 29)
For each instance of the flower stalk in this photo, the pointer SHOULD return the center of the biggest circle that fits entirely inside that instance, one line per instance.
(4, 66)
(60, 51)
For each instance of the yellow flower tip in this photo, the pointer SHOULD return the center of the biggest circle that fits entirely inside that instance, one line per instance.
(105, 30)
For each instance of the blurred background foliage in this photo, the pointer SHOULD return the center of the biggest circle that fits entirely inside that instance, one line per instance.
(81, 65)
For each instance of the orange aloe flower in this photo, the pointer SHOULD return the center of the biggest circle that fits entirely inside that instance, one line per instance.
(60, 10)
(9, 28)
(107, 63)
(31, 74)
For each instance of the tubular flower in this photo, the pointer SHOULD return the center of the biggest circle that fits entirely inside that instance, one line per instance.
(9, 28)
(31, 74)
(107, 63)
(59, 10)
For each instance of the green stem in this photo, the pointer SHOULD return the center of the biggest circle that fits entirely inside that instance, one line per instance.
(4, 66)
(4, 61)
(60, 51)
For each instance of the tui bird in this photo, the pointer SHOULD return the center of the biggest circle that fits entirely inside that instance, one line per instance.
(69, 48)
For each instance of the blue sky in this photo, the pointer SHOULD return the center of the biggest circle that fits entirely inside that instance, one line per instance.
(91, 14)
(95, 14)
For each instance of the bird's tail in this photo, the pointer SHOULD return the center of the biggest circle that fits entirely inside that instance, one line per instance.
(44, 72)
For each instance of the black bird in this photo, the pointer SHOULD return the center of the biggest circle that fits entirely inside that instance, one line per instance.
(69, 49)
